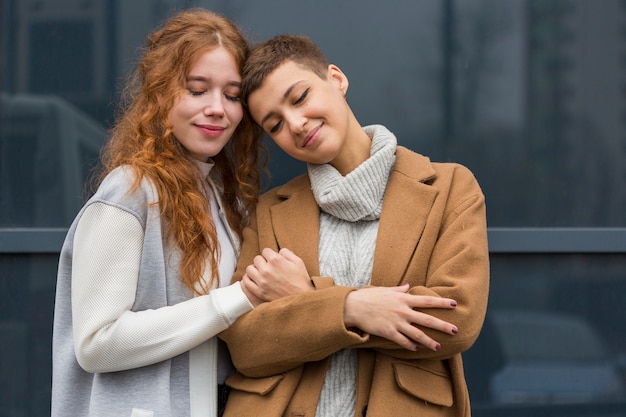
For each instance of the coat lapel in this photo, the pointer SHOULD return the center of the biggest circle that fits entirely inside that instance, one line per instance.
(296, 222)
(406, 207)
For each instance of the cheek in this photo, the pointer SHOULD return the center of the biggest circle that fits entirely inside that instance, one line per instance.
(236, 113)
(174, 118)
(181, 110)
(285, 143)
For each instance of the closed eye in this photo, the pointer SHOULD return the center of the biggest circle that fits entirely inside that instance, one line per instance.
(304, 94)
(275, 128)
(196, 92)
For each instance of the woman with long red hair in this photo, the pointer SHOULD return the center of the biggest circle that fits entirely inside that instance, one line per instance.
(144, 274)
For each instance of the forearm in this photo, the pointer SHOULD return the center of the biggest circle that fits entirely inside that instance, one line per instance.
(135, 339)
(289, 332)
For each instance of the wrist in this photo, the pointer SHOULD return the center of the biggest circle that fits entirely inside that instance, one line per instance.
(349, 317)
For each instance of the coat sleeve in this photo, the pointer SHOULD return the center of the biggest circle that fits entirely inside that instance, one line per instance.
(454, 249)
(280, 335)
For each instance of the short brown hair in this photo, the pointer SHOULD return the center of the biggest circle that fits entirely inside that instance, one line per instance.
(269, 55)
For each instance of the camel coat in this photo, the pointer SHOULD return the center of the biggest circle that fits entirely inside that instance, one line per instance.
(433, 234)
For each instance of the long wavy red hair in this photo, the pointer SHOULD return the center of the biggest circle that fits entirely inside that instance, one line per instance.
(142, 138)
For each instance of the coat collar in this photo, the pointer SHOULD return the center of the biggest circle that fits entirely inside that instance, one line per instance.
(408, 200)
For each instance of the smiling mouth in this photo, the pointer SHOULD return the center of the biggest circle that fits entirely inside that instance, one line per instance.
(211, 130)
(311, 136)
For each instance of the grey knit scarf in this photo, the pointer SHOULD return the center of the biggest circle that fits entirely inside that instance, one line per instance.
(358, 195)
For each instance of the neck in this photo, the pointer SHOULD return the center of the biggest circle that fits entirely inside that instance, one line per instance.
(356, 150)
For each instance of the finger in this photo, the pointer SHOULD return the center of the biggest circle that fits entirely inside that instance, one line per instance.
(269, 254)
(249, 284)
(426, 320)
(289, 255)
(418, 337)
(424, 340)
(259, 262)
(252, 273)
(251, 291)
(257, 289)
(400, 288)
(404, 341)
(286, 252)
(427, 301)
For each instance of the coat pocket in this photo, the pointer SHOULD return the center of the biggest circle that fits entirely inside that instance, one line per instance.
(260, 386)
(429, 381)
(262, 397)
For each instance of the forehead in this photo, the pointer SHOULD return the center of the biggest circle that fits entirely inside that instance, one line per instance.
(276, 87)
(216, 61)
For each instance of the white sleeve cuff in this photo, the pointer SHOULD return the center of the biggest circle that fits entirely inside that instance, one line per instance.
(231, 302)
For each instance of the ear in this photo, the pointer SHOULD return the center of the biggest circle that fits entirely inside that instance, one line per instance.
(338, 77)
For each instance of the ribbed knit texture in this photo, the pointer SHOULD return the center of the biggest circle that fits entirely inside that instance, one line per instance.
(351, 208)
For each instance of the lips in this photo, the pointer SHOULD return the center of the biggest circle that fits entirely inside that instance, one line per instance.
(311, 137)
(211, 130)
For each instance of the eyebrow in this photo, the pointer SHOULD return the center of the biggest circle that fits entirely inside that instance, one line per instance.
(208, 80)
(284, 98)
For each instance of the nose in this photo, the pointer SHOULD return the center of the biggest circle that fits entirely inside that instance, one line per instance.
(214, 105)
(296, 122)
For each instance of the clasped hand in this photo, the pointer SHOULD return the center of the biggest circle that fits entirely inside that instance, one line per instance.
(274, 275)
(390, 312)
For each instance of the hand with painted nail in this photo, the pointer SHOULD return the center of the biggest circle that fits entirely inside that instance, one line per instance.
(390, 312)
